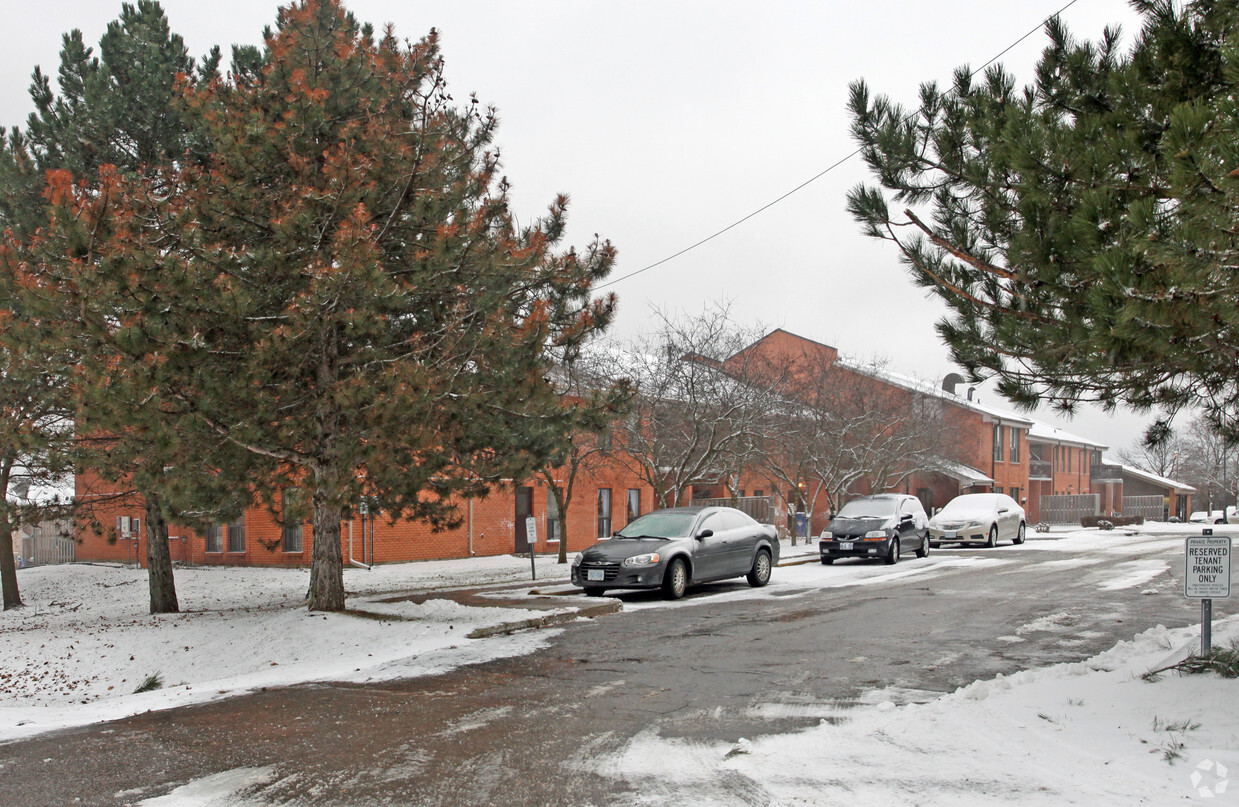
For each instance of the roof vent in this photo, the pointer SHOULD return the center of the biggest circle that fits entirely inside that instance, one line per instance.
(949, 383)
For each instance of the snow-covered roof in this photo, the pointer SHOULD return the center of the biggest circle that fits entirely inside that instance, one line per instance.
(934, 391)
(964, 473)
(1045, 433)
(1140, 473)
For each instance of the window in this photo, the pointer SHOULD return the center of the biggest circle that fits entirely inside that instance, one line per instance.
(604, 512)
(997, 443)
(552, 517)
(290, 538)
(1068, 452)
(215, 538)
(998, 488)
(1015, 444)
(758, 492)
(236, 535)
(634, 503)
(1015, 494)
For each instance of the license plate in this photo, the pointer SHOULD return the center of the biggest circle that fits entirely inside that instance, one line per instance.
(950, 534)
(595, 574)
(845, 545)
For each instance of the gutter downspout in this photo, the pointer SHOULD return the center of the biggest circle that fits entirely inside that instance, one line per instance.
(471, 552)
(351, 560)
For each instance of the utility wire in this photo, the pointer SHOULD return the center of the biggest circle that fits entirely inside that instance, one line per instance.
(824, 171)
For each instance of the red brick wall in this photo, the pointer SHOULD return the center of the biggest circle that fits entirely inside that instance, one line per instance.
(487, 528)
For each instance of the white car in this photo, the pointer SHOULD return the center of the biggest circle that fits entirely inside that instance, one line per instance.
(1215, 516)
(978, 518)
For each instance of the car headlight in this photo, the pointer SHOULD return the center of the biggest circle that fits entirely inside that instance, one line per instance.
(826, 535)
(877, 534)
(577, 560)
(648, 559)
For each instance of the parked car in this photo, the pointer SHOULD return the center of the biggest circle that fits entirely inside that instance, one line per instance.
(678, 547)
(979, 518)
(1230, 515)
(883, 526)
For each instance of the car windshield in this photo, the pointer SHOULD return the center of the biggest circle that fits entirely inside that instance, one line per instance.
(967, 505)
(868, 508)
(659, 525)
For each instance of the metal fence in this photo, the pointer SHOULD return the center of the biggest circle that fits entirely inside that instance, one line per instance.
(1152, 508)
(1069, 508)
(761, 508)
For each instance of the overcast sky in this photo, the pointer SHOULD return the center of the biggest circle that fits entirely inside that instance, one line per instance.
(668, 121)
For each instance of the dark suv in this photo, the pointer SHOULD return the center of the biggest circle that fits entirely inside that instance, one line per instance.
(883, 526)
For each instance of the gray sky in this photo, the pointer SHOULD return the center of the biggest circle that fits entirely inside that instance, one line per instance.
(668, 121)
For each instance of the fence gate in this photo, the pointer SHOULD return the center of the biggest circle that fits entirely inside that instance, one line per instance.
(1069, 508)
(1153, 508)
(760, 508)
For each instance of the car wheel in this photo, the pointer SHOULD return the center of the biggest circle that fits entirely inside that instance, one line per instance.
(992, 540)
(675, 581)
(594, 592)
(892, 555)
(827, 561)
(1019, 535)
(923, 552)
(759, 575)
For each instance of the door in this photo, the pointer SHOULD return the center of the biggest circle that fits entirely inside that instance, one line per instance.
(524, 509)
(710, 553)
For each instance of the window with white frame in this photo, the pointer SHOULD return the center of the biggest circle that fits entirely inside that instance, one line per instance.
(236, 535)
(291, 536)
(215, 538)
(604, 512)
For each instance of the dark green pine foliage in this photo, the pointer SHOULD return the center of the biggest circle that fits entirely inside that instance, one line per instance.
(1081, 229)
(339, 287)
(114, 113)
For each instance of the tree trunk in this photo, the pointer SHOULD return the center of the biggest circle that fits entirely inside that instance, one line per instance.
(326, 561)
(8, 569)
(159, 559)
(561, 502)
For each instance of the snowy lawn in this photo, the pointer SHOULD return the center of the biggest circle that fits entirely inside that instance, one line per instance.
(85, 640)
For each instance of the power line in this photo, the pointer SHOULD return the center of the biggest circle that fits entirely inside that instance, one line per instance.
(824, 171)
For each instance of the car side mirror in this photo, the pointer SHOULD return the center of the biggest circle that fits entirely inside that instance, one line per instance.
(704, 534)
(906, 517)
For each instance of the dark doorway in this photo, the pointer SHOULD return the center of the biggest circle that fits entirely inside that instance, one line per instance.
(524, 509)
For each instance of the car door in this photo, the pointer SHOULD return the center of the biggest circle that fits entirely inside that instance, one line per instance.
(741, 542)
(909, 530)
(710, 552)
(1008, 518)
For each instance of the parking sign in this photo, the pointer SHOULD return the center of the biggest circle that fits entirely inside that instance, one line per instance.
(1207, 573)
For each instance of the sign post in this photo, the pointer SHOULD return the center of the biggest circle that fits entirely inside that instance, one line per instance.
(531, 534)
(1206, 577)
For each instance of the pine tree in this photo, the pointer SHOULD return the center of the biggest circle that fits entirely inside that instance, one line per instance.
(1081, 229)
(336, 284)
(113, 113)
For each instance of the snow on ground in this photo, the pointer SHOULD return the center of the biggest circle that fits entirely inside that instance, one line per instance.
(85, 640)
(1085, 733)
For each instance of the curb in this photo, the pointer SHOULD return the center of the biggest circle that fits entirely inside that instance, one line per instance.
(550, 620)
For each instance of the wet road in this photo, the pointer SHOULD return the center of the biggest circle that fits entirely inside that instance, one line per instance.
(726, 663)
